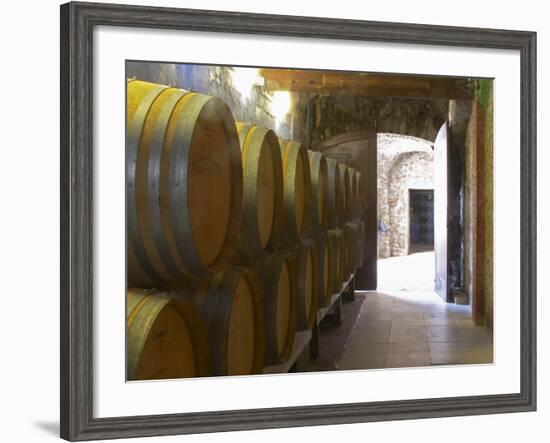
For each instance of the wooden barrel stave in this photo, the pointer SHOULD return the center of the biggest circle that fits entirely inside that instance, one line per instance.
(262, 216)
(296, 200)
(177, 227)
(280, 308)
(355, 226)
(344, 194)
(333, 253)
(352, 209)
(231, 307)
(334, 193)
(165, 337)
(338, 251)
(324, 275)
(361, 243)
(357, 195)
(303, 266)
(351, 239)
(319, 193)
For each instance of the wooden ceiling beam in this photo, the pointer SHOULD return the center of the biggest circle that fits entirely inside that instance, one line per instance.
(366, 84)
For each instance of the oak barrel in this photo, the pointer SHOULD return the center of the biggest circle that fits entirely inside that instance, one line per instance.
(231, 307)
(336, 250)
(325, 275)
(262, 215)
(360, 243)
(304, 267)
(183, 184)
(344, 194)
(355, 227)
(296, 200)
(280, 308)
(319, 192)
(357, 194)
(165, 337)
(334, 193)
(350, 236)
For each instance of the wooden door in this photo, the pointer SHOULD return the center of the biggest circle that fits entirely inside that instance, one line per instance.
(441, 166)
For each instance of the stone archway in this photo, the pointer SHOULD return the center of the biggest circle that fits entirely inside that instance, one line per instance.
(322, 119)
(412, 170)
(404, 163)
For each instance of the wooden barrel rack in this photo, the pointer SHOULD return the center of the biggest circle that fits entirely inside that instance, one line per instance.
(239, 243)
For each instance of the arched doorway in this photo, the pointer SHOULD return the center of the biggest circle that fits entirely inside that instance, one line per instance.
(360, 150)
(405, 213)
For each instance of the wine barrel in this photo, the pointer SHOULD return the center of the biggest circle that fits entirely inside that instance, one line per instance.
(304, 267)
(344, 194)
(296, 200)
(344, 256)
(358, 228)
(319, 193)
(350, 238)
(336, 251)
(351, 203)
(183, 184)
(165, 337)
(280, 308)
(352, 209)
(360, 244)
(334, 193)
(357, 194)
(231, 307)
(262, 216)
(325, 275)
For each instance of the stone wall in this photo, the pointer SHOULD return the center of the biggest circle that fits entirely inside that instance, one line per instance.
(238, 88)
(403, 163)
(320, 117)
(311, 118)
(487, 202)
(470, 210)
(478, 260)
(412, 170)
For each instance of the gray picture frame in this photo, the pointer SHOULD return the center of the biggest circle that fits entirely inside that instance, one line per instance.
(77, 23)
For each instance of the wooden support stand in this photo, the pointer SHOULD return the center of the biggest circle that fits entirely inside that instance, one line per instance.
(306, 343)
(349, 293)
(334, 317)
(314, 343)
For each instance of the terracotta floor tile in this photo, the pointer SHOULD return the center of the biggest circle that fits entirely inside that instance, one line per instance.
(408, 359)
(408, 321)
(370, 335)
(400, 329)
(416, 347)
(357, 360)
(446, 333)
(363, 322)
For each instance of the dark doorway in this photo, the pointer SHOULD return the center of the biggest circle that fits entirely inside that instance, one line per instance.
(421, 220)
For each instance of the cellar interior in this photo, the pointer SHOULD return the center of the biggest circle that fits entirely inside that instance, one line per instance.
(283, 220)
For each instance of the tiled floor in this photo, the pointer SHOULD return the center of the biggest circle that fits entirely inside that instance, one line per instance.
(333, 338)
(409, 329)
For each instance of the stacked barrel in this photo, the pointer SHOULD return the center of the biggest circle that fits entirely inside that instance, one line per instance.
(235, 237)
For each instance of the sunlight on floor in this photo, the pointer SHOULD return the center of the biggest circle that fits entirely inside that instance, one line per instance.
(411, 329)
(406, 273)
(406, 324)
